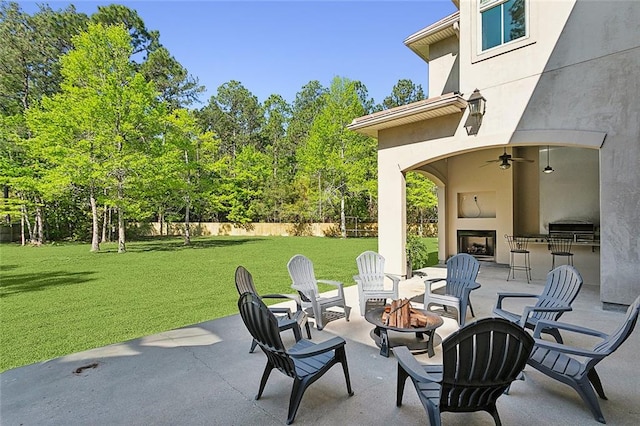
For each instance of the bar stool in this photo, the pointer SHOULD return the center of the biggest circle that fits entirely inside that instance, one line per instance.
(518, 245)
(560, 246)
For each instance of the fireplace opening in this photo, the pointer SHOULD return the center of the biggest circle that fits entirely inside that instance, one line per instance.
(479, 244)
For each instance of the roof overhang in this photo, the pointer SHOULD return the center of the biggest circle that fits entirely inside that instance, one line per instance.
(420, 41)
(369, 125)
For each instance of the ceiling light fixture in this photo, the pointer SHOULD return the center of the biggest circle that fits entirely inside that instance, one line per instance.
(547, 169)
(505, 164)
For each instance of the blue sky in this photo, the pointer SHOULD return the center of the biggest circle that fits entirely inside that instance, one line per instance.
(279, 46)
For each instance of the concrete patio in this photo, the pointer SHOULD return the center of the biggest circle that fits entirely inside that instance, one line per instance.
(204, 375)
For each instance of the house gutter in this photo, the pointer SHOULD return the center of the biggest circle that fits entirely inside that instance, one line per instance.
(450, 103)
(420, 41)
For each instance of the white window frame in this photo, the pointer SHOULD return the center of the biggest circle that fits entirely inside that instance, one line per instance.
(488, 4)
(527, 39)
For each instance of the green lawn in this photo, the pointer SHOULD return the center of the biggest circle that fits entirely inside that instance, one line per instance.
(59, 299)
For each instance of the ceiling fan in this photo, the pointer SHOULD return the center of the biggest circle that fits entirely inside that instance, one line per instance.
(506, 159)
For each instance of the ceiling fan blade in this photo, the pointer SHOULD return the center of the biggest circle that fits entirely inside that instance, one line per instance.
(521, 159)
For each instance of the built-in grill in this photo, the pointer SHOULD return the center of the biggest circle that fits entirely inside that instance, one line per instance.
(578, 231)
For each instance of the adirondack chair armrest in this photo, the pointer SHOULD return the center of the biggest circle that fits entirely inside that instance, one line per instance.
(393, 277)
(502, 296)
(467, 290)
(319, 348)
(474, 286)
(445, 297)
(336, 284)
(331, 282)
(569, 350)
(289, 322)
(304, 294)
(542, 324)
(428, 283)
(287, 296)
(530, 309)
(409, 363)
(286, 311)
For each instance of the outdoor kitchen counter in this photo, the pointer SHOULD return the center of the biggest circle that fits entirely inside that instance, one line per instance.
(586, 258)
(542, 239)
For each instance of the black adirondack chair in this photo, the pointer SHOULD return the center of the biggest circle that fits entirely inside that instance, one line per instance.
(480, 361)
(287, 320)
(576, 367)
(305, 362)
(561, 289)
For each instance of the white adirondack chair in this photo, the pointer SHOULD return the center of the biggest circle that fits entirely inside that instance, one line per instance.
(305, 282)
(371, 279)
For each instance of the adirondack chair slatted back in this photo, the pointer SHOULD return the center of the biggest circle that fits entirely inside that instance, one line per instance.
(263, 327)
(461, 269)
(371, 271)
(618, 337)
(575, 366)
(561, 289)
(244, 281)
(304, 279)
(480, 361)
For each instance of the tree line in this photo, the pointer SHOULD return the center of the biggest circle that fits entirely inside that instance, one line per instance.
(98, 129)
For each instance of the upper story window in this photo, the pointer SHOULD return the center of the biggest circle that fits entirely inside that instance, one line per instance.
(502, 21)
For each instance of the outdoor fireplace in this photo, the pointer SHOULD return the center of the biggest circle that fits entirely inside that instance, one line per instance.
(479, 244)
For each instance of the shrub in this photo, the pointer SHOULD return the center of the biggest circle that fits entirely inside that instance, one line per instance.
(417, 252)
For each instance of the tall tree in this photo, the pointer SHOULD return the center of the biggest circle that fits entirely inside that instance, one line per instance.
(235, 116)
(30, 49)
(180, 170)
(11, 167)
(309, 101)
(21, 174)
(334, 156)
(143, 41)
(245, 185)
(106, 115)
(281, 155)
(422, 200)
(404, 92)
(177, 88)
(367, 102)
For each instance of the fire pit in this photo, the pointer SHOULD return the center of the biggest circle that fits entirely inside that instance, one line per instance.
(401, 317)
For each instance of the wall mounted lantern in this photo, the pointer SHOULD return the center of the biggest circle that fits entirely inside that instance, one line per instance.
(477, 104)
(548, 169)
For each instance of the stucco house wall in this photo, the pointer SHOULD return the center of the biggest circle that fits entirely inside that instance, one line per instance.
(589, 84)
(570, 84)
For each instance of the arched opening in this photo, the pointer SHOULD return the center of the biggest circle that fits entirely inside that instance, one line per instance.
(477, 198)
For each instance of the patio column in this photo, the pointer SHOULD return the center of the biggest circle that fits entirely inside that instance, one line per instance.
(442, 224)
(392, 214)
